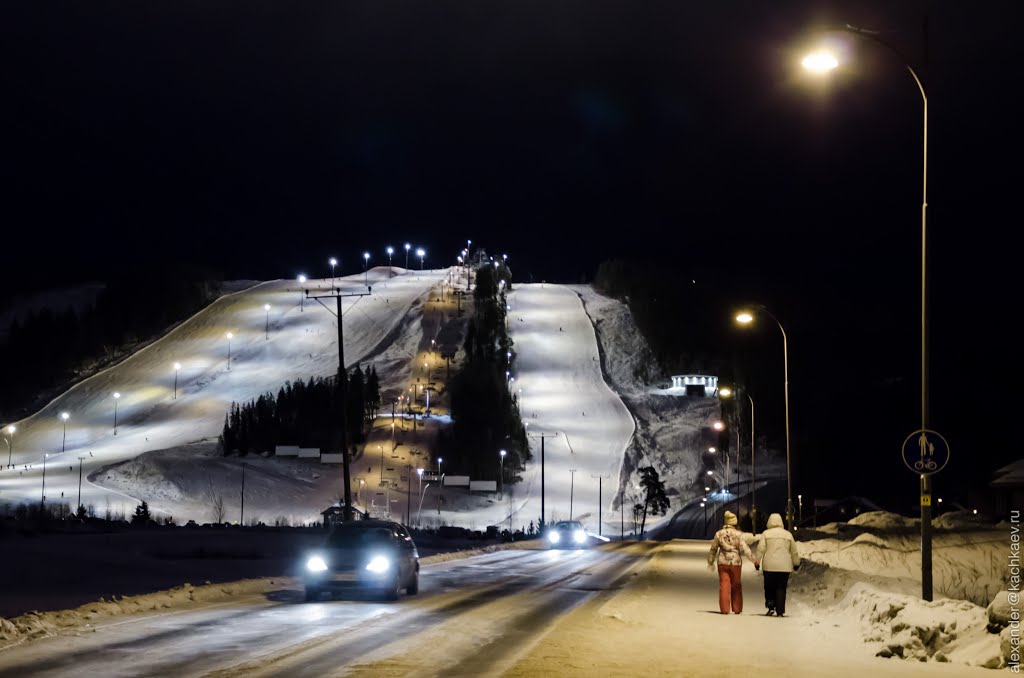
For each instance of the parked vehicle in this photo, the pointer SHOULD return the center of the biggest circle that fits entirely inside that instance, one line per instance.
(567, 534)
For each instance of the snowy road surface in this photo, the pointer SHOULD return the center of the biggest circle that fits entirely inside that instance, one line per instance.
(563, 393)
(628, 609)
(160, 407)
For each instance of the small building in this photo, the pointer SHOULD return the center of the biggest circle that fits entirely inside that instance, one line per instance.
(335, 515)
(696, 385)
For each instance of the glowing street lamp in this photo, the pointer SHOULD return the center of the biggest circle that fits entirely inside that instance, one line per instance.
(390, 250)
(821, 61)
(745, 318)
(407, 246)
(333, 262)
(177, 366)
(266, 307)
(439, 460)
(366, 272)
(10, 443)
(420, 252)
(229, 335)
(302, 293)
(64, 416)
(501, 461)
(718, 426)
(117, 396)
(728, 393)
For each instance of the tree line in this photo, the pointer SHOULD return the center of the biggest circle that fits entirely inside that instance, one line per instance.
(303, 413)
(45, 351)
(485, 412)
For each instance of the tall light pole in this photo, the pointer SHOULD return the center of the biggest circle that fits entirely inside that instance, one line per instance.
(390, 250)
(117, 396)
(266, 307)
(177, 366)
(241, 513)
(42, 501)
(79, 505)
(366, 270)
(440, 484)
(381, 447)
(10, 444)
(229, 335)
(727, 393)
(333, 262)
(419, 475)
(501, 466)
(420, 252)
(823, 62)
(302, 293)
(745, 318)
(64, 417)
(572, 482)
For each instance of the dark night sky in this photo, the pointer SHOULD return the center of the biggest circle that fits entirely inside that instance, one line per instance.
(260, 137)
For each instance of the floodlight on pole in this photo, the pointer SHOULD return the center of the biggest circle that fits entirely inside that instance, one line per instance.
(117, 396)
(407, 246)
(10, 444)
(333, 262)
(229, 335)
(177, 366)
(302, 294)
(420, 252)
(64, 416)
(718, 426)
(366, 270)
(390, 250)
(501, 461)
(266, 307)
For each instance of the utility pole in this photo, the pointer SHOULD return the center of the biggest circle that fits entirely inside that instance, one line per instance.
(542, 436)
(241, 517)
(408, 488)
(572, 482)
(337, 294)
(80, 459)
(599, 502)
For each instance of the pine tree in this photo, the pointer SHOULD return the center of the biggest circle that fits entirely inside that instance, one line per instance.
(141, 516)
(655, 498)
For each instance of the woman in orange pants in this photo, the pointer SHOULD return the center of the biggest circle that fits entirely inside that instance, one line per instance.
(728, 548)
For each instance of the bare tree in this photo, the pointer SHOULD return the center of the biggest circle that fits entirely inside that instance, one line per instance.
(214, 501)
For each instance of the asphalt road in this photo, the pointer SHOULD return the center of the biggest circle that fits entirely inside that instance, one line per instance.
(472, 617)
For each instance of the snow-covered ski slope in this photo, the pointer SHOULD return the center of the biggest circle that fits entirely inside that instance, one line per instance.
(564, 393)
(301, 342)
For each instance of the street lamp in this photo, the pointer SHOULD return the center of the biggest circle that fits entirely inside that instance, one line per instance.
(421, 253)
(439, 460)
(302, 294)
(727, 393)
(501, 462)
(572, 482)
(117, 396)
(177, 366)
(229, 335)
(64, 417)
(266, 307)
(745, 318)
(10, 444)
(390, 250)
(42, 502)
(333, 262)
(407, 246)
(381, 448)
(823, 62)
(366, 272)
(80, 460)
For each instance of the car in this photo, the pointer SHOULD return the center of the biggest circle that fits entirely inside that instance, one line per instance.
(378, 556)
(567, 534)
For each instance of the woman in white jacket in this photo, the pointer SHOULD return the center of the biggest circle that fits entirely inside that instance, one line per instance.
(777, 554)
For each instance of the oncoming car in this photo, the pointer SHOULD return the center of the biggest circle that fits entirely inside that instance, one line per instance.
(567, 534)
(372, 555)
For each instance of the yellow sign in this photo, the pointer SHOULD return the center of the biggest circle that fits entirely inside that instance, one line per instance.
(926, 500)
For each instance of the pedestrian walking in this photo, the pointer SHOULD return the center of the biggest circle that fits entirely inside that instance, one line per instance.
(778, 557)
(728, 549)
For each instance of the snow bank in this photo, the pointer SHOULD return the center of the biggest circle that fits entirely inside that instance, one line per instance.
(40, 624)
(904, 626)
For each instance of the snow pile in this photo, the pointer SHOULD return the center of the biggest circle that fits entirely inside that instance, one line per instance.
(39, 624)
(907, 627)
(883, 520)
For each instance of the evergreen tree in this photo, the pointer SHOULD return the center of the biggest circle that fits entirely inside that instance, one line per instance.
(141, 516)
(655, 500)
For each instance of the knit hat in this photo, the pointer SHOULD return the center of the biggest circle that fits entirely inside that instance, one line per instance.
(730, 518)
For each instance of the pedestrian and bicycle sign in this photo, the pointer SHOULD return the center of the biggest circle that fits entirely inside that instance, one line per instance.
(925, 452)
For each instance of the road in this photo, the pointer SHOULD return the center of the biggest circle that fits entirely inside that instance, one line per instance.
(625, 609)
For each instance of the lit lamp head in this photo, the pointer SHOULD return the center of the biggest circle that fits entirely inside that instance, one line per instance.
(725, 392)
(366, 255)
(12, 428)
(177, 366)
(718, 426)
(419, 472)
(229, 335)
(333, 261)
(503, 453)
(116, 395)
(390, 250)
(407, 246)
(421, 252)
(745, 317)
(65, 416)
(266, 307)
(712, 450)
(302, 278)
(821, 61)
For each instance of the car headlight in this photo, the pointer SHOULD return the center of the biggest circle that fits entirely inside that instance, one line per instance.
(378, 564)
(580, 536)
(316, 564)
(553, 537)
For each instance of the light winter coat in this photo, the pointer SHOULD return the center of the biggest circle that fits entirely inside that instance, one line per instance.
(776, 548)
(727, 545)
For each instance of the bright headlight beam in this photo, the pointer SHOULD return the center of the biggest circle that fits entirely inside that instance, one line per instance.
(316, 564)
(553, 537)
(378, 564)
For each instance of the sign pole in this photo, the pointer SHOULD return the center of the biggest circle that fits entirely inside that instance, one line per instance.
(926, 452)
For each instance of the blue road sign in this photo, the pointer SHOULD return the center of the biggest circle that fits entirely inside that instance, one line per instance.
(925, 452)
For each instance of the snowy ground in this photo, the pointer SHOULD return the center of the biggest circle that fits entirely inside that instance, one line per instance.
(301, 342)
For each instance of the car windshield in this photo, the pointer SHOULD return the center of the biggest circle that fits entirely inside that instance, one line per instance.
(349, 537)
(569, 525)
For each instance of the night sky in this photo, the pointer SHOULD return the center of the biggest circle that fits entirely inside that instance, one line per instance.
(258, 138)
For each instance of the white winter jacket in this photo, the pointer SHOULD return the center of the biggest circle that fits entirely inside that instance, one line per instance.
(776, 549)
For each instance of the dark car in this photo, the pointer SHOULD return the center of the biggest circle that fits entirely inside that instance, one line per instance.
(373, 555)
(567, 534)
